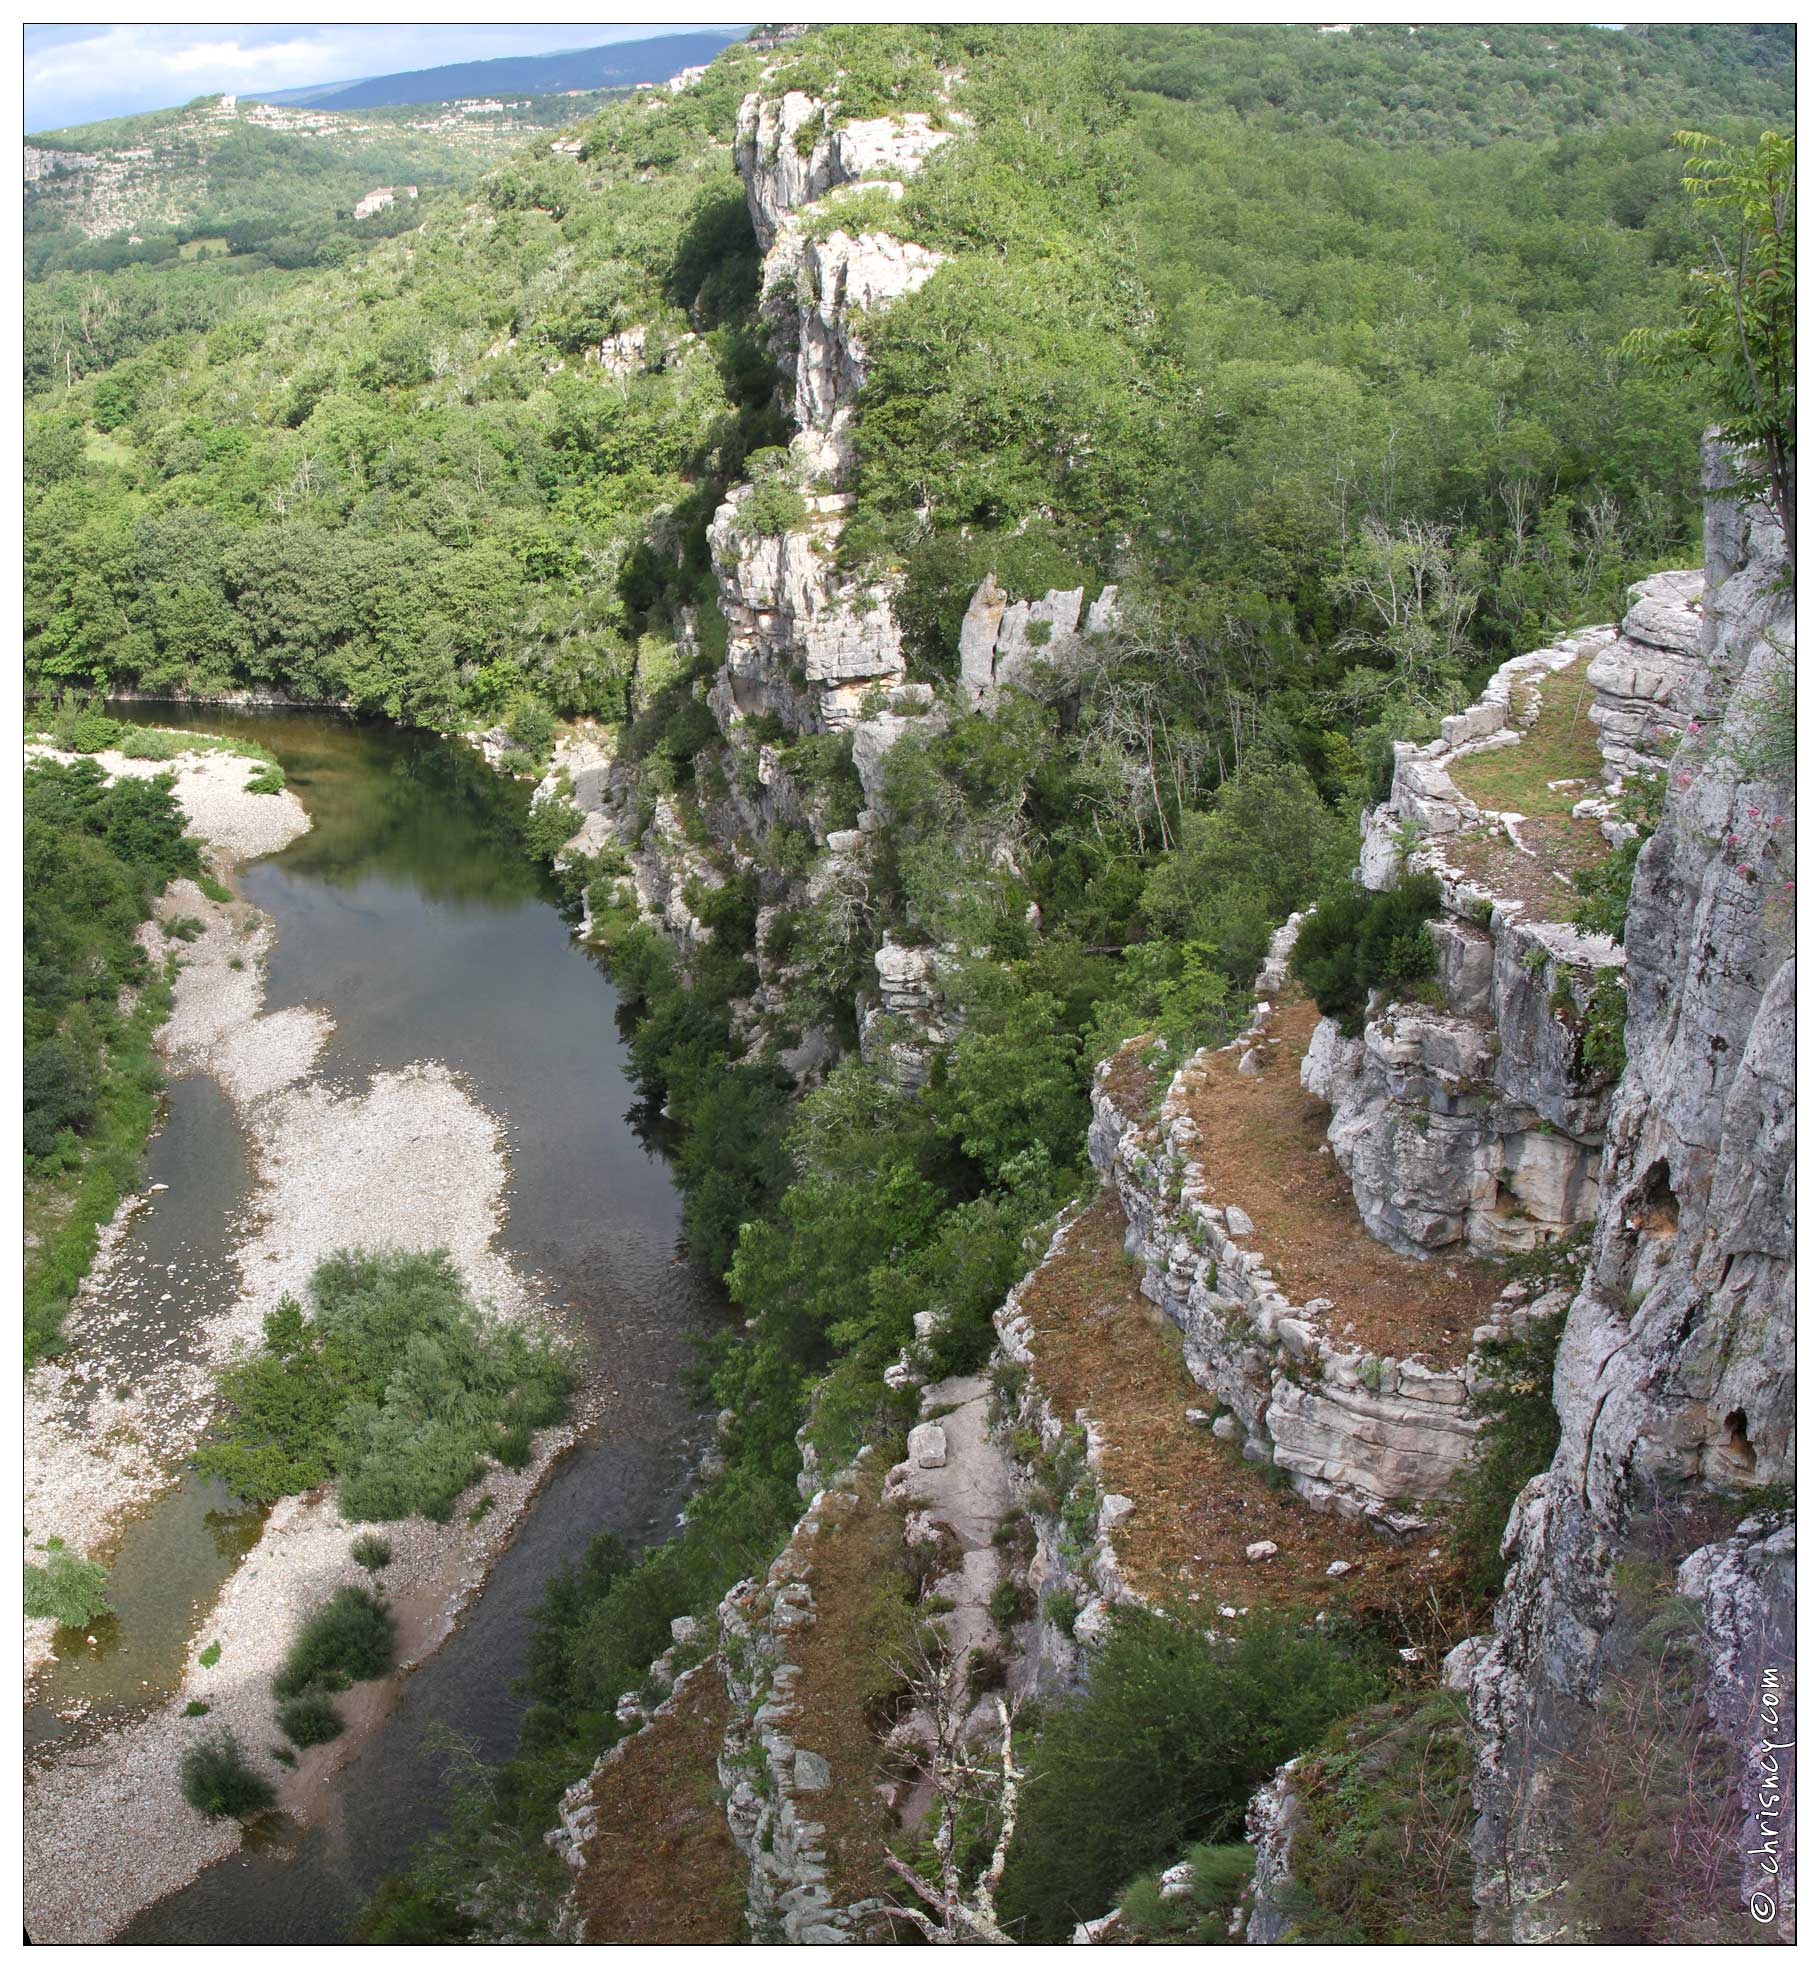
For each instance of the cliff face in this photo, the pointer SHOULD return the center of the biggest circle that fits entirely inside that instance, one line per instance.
(804, 642)
(1365, 1427)
(809, 644)
(1480, 1119)
(1675, 1378)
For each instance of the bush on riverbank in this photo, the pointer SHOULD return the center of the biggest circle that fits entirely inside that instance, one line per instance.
(309, 1719)
(398, 1387)
(67, 1588)
(350, 1638)
(371, 1551)
(217, 1779)
(96, 857)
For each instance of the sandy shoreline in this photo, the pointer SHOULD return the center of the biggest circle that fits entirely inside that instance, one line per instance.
(412, 1161)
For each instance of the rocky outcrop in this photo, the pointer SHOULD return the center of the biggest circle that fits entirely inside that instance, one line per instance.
(1003, 640)
(805, 642)
(809, 646)
(1424, 803)
(788, 153)
(1359, 1433)
(1074, 1557)
(1270, 1825)
(1477, 1120)
(1676, 1370)
(770, 1779)
(819, 292)
(1644, 681)
(910, 708)
(904, 1027)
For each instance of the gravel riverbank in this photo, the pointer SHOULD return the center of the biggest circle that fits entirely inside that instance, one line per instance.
(412, 1161)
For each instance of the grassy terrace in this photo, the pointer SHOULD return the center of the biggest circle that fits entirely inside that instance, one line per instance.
(1264, 1144)
(863, 1580)
(1556, 764)
(1561, 744)
(662, 1866)
(1099, 1345)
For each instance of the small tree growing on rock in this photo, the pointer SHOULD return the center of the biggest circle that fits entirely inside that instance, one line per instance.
(966, 1780)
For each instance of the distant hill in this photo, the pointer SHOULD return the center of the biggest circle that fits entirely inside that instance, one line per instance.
(252, 176)
(620, 65)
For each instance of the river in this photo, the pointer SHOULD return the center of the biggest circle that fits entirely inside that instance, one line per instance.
(410, 913)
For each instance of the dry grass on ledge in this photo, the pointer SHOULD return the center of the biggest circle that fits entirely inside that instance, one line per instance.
(1264, 1147)
(663, 1868)
(1101, 1347)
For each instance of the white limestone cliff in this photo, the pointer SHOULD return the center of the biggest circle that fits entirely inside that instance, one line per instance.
(1675, 1378)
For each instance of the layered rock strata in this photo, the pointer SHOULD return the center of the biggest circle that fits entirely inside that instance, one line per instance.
(1480, 1121)
(1675, 1379)
(1361, 1434)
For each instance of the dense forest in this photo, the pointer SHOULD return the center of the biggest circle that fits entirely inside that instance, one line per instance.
(193, 213)
(1309, 342)
(1347, 337)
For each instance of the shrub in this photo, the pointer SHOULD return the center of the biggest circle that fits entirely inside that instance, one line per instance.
(399, 1388)
(549, 826)
(1166, 1747)
(1061, 1609)
(1011, 1602)
(61, 1087)
(267, 779)
(185, 929)
(217, 1779)
(531, 727)
(1605, 887)
(1515, 1393)
(1383, 1854)
(66, 1588)
(309, 1719)
(350, 1638)
(773, 508)
(195, 1708)
(1602, 1040)
(1359, 941)
(371, 1551)
(210, 1655)
(93, 731)
(1218, 1877)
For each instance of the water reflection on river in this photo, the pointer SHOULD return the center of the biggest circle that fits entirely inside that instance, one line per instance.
(411, 914)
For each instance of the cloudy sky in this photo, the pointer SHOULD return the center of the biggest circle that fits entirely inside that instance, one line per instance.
(77, 74)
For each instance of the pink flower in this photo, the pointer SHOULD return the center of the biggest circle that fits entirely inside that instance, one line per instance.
(1744, 868)
(1752, 812)
(1786, 887)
